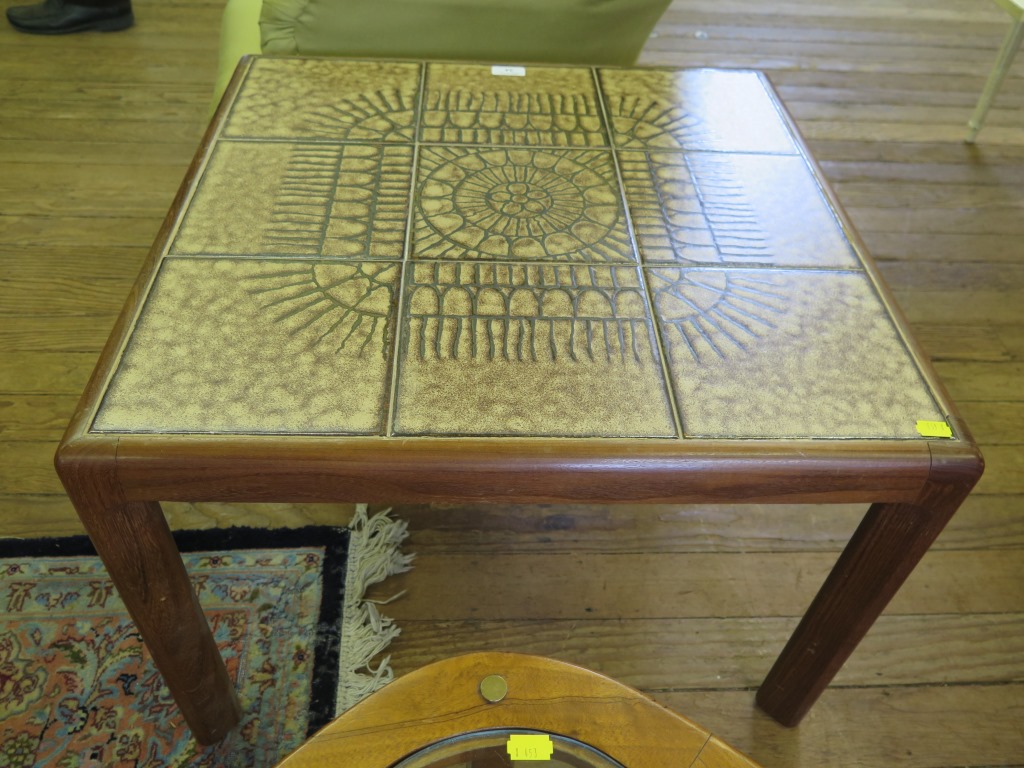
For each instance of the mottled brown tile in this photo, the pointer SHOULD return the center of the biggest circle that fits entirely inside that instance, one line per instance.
(708, 207)
(548, 106)
(668, 216)
(523, 204)
(781, 353)
(244, 346)
(692, 109)
(327, 99)
(278, 198)
(548, 350)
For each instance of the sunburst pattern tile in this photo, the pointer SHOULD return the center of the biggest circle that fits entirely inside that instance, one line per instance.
(669, 217)
(519, 203)
(282, 198)
(744, 209)
(781, 353)
(245, 346)
(691, 109)
(546, 106)
(316, 99)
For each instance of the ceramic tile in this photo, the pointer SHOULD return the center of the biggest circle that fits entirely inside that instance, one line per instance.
(703, 208)
(546, 350)
(693, 109)
(524, 204)
(327, 99)
(277, 198)
(780, 353)
(548, 106)
(245, 346)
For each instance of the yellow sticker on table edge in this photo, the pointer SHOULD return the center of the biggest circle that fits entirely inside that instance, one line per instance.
(934, 429)
(528, 746)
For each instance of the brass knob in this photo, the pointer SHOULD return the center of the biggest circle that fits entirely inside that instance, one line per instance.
(493, 688)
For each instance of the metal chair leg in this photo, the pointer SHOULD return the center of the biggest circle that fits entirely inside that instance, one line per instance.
(995, 78)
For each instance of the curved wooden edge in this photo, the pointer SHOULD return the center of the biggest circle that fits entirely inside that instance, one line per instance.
(959, 463)
(220, 114)
(544, 471)
(87, 467)
(443, 700)
(89, 402)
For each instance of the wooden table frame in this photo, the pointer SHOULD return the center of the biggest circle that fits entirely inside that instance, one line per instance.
(117, 481)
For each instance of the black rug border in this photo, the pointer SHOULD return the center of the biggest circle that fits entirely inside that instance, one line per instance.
(333, 540)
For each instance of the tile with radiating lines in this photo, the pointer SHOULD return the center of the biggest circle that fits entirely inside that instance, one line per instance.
(283, 198)
(519, 203)
(743, 209)
(246, 346)
(786, 353)
(693, 109)
(525, 349)
(545, 106)
(317, 99)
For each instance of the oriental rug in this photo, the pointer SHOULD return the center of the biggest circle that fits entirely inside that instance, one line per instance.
(78, 689)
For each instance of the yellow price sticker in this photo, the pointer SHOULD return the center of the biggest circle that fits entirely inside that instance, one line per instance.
(523, 746)
(934, 429)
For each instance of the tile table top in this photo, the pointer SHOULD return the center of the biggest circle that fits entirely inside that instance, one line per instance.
(398, 249)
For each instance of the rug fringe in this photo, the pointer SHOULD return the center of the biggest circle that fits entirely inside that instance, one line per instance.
(375, 554)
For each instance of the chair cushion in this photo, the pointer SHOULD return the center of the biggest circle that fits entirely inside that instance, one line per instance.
(556, 31)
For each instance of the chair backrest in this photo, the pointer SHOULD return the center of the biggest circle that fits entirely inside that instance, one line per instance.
(538, 31)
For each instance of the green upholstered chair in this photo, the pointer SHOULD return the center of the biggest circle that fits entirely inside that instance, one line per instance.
(509, 31)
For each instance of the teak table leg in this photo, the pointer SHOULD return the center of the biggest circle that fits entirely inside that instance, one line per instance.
(138, 550)
(889, 543)
(140, 554)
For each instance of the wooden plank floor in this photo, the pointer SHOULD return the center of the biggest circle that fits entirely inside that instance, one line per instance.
(688, 603)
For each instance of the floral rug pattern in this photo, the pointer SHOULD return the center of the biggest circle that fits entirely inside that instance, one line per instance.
(78, 689)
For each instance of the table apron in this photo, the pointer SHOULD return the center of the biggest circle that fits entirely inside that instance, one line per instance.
(404, 472)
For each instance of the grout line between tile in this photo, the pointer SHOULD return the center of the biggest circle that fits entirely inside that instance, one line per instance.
(670, 393)
(407, 262)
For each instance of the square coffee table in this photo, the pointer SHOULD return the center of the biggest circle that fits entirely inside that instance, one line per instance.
(408, 282)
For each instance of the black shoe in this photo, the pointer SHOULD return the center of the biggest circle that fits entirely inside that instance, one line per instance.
(57, 17)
